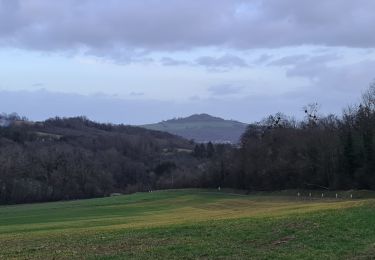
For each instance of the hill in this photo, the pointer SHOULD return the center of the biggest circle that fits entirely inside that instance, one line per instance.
(202, 128)
(189, 224)
(72, 158)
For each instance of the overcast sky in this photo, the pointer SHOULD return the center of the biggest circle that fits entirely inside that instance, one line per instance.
(140, 61)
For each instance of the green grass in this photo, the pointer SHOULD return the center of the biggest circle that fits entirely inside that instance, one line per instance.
(189, 224)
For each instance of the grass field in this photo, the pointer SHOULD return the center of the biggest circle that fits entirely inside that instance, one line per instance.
(189, 224)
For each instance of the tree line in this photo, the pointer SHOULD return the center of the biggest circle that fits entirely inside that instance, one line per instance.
(319, 152)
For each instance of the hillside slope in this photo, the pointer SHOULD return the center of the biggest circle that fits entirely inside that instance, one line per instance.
(70, 158)
(202, 128)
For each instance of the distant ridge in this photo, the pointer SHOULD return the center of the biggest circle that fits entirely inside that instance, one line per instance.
(202, 128)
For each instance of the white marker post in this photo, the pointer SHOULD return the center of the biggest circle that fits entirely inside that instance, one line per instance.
(322, 195)
(336, 195)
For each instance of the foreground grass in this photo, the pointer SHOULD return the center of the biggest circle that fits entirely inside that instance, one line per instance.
(189, 225)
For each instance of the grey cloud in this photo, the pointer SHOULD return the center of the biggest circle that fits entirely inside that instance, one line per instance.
(337, 80)
(311, 67)
(328, 78)
(333, 81)
(262, 59)
(226, 61)
(305, 66)
(102, 25)
(327, 23)
(297, 60)
(221, 63)
(289, 60)
(144, 26)
(225, 89)
(120, 55)
(166, 61)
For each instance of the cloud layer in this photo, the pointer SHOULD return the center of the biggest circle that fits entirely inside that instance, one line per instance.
(234, 58)
(128, 29)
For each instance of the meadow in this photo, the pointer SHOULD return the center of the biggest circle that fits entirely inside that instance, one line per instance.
(190, 224)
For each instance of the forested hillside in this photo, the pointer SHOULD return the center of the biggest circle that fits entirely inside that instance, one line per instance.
(70, 158)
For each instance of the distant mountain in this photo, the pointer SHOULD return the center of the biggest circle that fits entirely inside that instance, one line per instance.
(202, 128)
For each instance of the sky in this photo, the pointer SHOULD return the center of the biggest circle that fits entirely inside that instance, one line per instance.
(143, 61)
